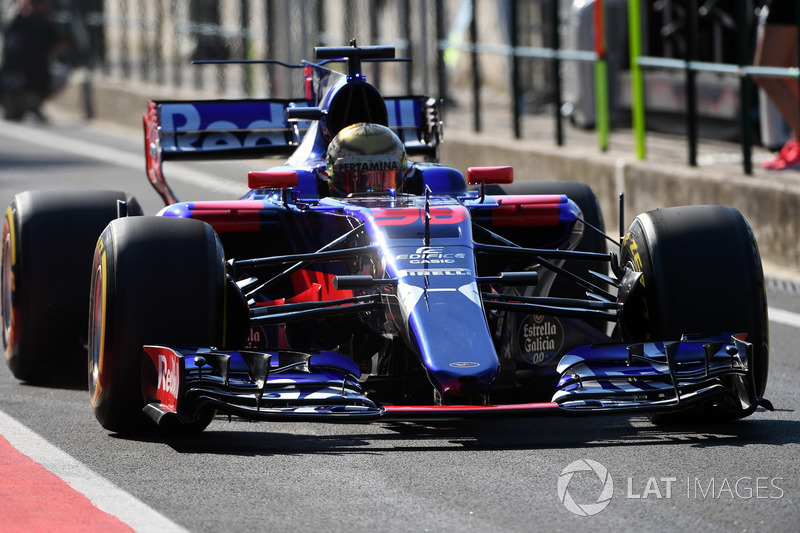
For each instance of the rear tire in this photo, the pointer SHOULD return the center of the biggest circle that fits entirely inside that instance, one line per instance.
(702, 273)
(156, 280)
(48, 238)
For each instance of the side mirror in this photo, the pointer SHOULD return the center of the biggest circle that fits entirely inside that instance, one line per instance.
(483, 175)
(272, 179)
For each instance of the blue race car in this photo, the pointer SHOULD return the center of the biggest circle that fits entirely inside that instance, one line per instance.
(361, 280)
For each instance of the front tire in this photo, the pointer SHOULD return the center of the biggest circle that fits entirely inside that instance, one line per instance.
(156, 280)
(702, 273)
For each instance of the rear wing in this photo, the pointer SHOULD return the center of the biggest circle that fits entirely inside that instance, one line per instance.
(219, 129)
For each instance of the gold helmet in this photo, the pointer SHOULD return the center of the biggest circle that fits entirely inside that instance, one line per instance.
(365, 158)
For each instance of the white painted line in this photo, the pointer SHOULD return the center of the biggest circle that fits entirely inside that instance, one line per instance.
(784, 317)
(100, 491)
(114, 156)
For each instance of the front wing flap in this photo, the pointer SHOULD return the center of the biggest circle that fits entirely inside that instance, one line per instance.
(277, 385)
(660, 376)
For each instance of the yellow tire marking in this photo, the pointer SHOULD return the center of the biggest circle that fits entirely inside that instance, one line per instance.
(98, 385)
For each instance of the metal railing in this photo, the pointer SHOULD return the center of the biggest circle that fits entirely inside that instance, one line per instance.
(690, 66)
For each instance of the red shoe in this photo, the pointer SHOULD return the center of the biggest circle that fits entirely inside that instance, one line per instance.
(788, 157)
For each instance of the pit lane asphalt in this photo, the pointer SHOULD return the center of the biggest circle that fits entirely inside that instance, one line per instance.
(470, 476)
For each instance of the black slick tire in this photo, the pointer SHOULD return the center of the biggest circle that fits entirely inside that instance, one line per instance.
(156, 280)
(48, 239)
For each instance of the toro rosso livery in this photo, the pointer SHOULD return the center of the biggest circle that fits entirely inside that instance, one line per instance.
(361, 280)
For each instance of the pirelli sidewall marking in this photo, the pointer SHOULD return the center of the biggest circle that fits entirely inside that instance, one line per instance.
(629, 243)
(633, 248)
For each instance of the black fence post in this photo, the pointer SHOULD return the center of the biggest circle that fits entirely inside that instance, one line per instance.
(556, 70)
(244, 36)
(513, 32)
(144, 45)
(349, 25)
(745, 86)
(319, 16)
(797, 19)
(441, 71)
(691, 81)
(178, 62)
(476, 74)
(376, 12)
(271, 16)
(158, 45)
(124, 55)
(405, 8)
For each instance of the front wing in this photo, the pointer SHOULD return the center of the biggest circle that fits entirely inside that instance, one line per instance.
(282, 385)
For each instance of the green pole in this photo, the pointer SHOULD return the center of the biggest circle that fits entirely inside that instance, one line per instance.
(601, 76)
(637, 82)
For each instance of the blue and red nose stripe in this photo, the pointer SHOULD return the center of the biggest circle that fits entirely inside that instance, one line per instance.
(223, 216)
(530, 210)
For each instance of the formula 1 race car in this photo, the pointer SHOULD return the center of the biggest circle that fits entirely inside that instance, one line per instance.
(352, 284)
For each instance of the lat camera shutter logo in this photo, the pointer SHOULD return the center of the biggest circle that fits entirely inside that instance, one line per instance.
(605, 481)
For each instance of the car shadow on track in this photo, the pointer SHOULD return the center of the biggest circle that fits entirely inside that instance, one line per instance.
(62, 384)
(253, 439)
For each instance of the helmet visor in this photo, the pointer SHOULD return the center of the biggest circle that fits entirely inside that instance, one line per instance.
(365, 182)
(365, 174)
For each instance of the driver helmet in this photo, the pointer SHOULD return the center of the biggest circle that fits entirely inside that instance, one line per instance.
(365, 158)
